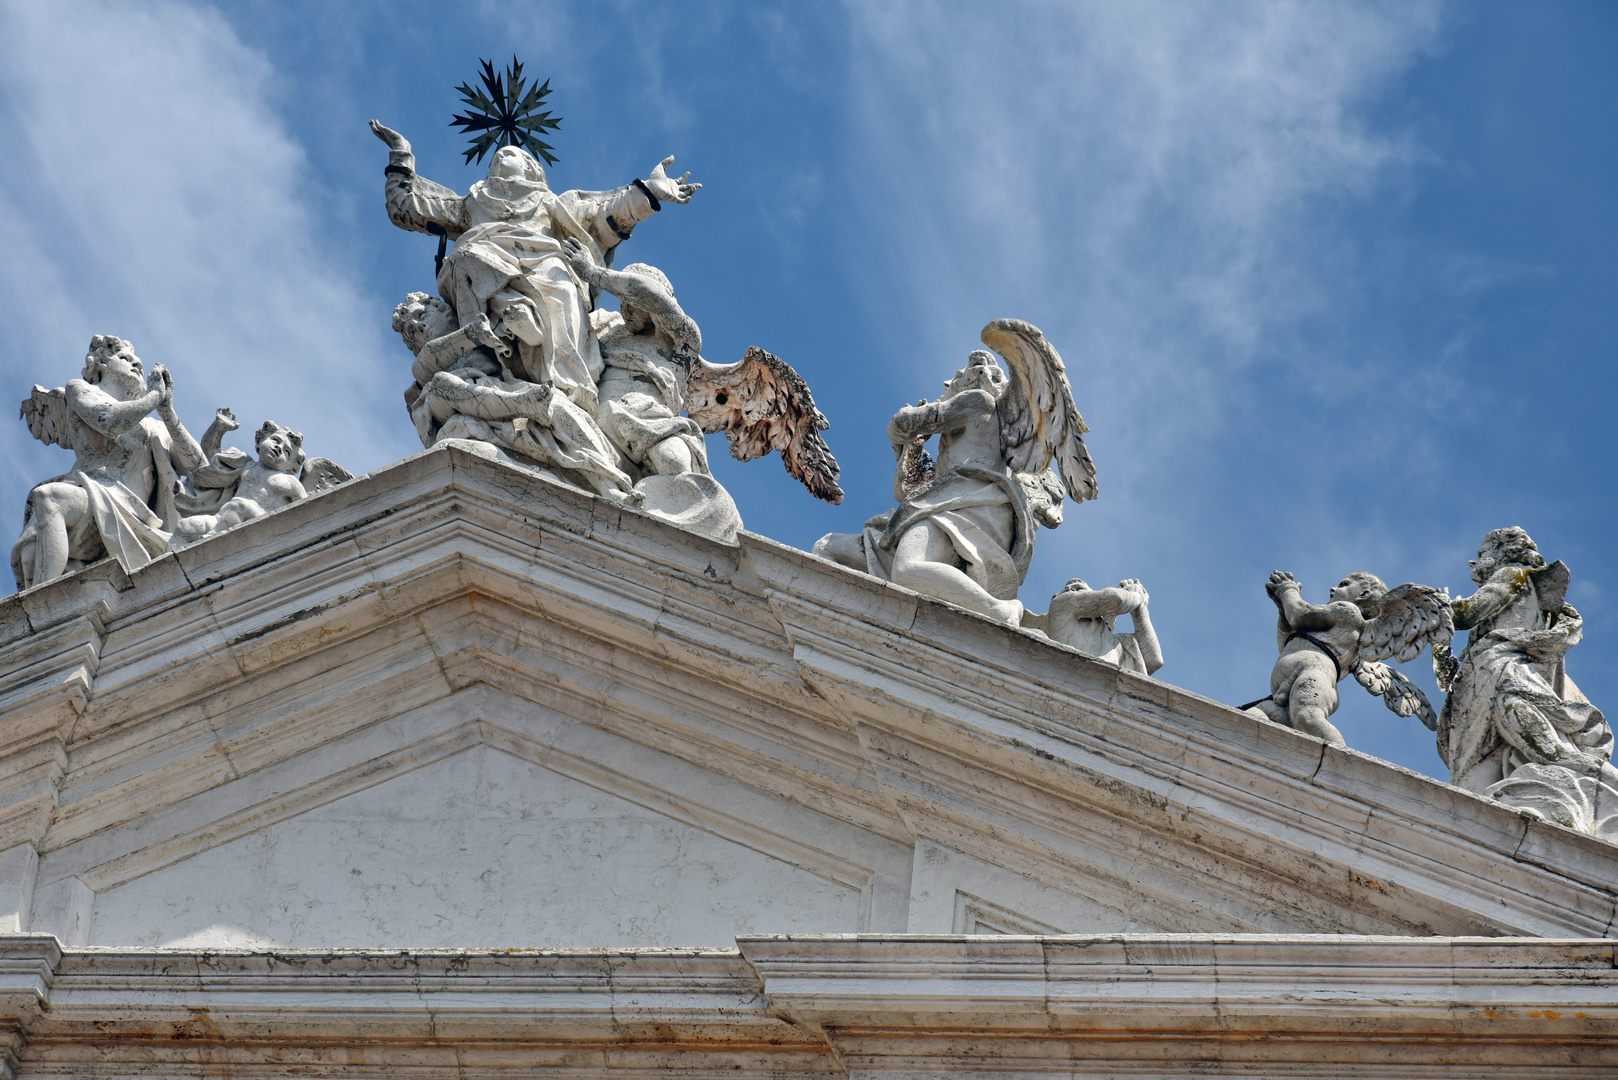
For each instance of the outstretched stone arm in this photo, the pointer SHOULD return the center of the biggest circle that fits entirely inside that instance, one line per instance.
(414, 202)
(611, 216)
(1490, 600)
(1295, 611)
(1151, 650)
(100, 410)
(223, 421)
(936, 417)
(638, 291)
(441, 353)
(1096, 603)
(185, 453)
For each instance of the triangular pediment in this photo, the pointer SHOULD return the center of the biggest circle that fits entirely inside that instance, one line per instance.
(820, 750)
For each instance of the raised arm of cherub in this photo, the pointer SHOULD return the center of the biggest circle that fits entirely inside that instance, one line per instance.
(946, 417)
(1295, 611)
(223, 421)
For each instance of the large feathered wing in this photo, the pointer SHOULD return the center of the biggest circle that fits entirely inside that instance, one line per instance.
(762, 405)
(1399, 694)
(47, 416)
(1413, 617)
(1038, 421)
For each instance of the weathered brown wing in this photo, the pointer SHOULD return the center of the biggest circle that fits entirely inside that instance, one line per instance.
(1413, 617)
(761, 405)
(47, 416)
(1038, 421)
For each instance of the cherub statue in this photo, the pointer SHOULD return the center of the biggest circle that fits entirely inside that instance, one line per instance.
(654, 370)
(508, 261)
(1514, 724)
(1087, 618)
(964, 529)
(119, 498)
(463, 390)
(1363, 622)
(242, 489)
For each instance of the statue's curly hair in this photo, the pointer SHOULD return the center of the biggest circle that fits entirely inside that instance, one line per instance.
(1376, 591)
(401, 313)
(270, 427)
(1514, 546)
(102, 346)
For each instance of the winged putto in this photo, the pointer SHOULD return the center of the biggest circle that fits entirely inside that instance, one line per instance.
(1363, 623)
(1010, 450)
(133, 487)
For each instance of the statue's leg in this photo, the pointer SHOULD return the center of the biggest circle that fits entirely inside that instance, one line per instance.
(58, 508)
(1271, 712)
(1313, 699)
(926, 561)
(848, 549)
(671, 457)
(452, 394)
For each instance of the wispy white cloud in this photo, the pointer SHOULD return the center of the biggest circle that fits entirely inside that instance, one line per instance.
(1162, 188)
(150, 190)
(1138, 174)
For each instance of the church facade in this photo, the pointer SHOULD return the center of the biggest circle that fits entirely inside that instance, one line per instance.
(456, 768)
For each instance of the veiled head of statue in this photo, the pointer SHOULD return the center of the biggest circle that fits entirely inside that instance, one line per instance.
(515, 163)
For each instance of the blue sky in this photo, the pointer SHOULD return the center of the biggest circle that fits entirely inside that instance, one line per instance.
(1334, 283)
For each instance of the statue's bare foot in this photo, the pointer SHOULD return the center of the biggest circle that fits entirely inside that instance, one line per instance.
(1007, 611)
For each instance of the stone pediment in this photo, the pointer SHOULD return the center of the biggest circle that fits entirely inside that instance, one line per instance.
(454, 704)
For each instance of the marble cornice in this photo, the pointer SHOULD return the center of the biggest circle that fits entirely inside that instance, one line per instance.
(830, 1005)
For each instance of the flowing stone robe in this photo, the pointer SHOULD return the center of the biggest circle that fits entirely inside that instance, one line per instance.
(984, 512)
(1515, 727)
(508, 251)
(121, 523)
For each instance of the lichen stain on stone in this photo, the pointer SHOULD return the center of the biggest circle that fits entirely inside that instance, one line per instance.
(1369, 883)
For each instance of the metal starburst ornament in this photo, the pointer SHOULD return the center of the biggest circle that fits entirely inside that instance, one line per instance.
(506, 112)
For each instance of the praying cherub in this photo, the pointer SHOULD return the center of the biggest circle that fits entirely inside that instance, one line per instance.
(1362, 623)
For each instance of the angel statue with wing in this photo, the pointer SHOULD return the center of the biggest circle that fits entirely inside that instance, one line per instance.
(119, 498)
(1361, 624)
(1514, 725)
(1010, 448)
(654, 370)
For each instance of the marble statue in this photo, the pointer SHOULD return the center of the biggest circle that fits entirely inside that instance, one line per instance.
(508, 260)
(964, 528)
(1086, 619)
(232, 488)
(463, 390)
(515, 355)
(142, 486)
(119, 498)
(1514, 725)
(1362, 623)
(652, 351)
